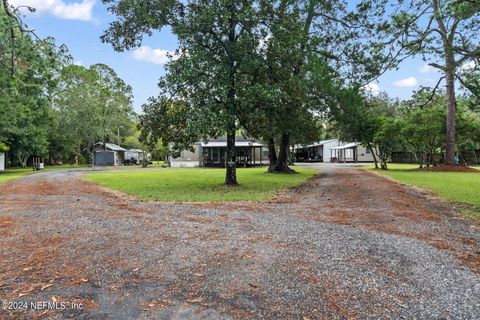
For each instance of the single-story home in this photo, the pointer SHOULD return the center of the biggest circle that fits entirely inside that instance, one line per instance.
(351, 152)
(212, 153)
(316, 152)
(108, 155)
(2, 161)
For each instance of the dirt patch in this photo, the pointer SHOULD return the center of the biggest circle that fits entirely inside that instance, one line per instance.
(7, 224)
(449, 168)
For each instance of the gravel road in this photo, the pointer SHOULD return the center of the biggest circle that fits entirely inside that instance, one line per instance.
(348, 244)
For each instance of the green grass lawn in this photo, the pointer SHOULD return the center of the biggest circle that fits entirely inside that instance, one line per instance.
(65, 166)
(158, 164)
(198, 185)
(454, 186)
(10, 174)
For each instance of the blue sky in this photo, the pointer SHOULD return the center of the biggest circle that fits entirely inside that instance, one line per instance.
(79, 24)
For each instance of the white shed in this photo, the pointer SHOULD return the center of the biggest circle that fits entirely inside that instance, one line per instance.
(2, 161)
(104, 158)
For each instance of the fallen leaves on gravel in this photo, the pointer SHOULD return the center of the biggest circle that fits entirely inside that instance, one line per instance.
(46, 286)
(196, 300)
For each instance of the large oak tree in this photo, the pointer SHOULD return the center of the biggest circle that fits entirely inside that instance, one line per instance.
(217, 41)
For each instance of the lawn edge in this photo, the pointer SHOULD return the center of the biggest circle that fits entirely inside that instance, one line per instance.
(132, 197)
(465, 208)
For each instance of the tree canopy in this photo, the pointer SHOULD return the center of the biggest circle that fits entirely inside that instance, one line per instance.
(249, 65)
(49, 107)
(443, 32)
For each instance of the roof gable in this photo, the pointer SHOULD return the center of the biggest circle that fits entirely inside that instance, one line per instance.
(110, 146)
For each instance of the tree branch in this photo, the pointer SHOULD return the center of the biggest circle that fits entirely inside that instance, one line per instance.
(434, 91)
(436, 65)
(476, 93)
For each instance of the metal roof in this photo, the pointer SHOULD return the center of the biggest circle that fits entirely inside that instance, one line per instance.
(321, 143)
(240, 141)
(219, 144)
(347, 146)
(111, 146)
(316, 144)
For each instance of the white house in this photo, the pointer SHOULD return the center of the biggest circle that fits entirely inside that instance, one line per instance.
(316, 152)
(2, 161)
(351, 152)
(212, 154)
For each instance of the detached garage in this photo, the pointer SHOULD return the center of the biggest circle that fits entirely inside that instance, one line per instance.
(104, 158)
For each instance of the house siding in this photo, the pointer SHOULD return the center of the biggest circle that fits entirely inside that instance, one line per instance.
(363, 155)
(2, 161)
(195, 159)
(187, 158)
(327, 149)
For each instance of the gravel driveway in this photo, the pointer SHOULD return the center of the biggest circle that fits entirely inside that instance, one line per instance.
(346, 245)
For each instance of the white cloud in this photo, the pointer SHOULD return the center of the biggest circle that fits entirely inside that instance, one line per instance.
(78, 62)
(263, 42)
(81, 10)
(157, 56)
(372, 88)
(469, 66)
(426, 68)
(406, 83)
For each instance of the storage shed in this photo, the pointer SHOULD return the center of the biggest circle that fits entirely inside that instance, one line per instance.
(2, 161)
(108, 155)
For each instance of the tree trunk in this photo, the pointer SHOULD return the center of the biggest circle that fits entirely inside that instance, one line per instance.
(447, 37)
(231, 165)
(8, 159)
(272, 154)
(79, 151)
(451, 110)
(384, 162)
(281, 165)
(231, 172)
(23, 160)
(373, 155)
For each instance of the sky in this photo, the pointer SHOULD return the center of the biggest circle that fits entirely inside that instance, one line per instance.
(79, 23)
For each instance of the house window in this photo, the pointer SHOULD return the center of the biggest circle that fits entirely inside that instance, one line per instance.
(368, 150)
(348, 153)
(264, 152)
